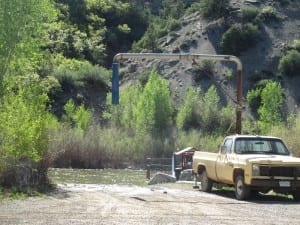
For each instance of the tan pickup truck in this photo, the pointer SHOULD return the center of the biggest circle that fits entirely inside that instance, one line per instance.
(251, 164)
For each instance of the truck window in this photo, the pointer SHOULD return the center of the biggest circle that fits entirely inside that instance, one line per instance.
(228, 144)
(260, 146)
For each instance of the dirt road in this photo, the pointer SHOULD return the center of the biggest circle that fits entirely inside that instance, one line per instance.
(115, 204)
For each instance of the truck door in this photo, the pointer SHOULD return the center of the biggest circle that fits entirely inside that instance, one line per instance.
(224, 166)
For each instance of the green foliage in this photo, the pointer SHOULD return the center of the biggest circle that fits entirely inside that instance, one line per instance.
(203, 70)
(210, 108)
(22, 26)
(212, 9)
(188, 114)
(214, 118)
(80, 117)
(289, 133)
(289, 64)
(24, 108)
(157, 29)
(95, 30)
(205, 113)
(229, 75)
(149, 40)
(147, 109)
(239, 38)
(296, 45)
(254, 99)
(72, 72)
(25, 123)
(154, 107)
(269, 13)
(172, 9)
(122, 115)
(271, 106)
(249, 13)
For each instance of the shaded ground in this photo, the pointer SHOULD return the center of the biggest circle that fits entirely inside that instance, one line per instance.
(120, 204)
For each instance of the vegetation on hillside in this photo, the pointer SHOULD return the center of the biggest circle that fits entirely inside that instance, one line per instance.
(53, 54)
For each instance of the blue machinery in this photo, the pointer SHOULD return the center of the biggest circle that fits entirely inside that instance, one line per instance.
(188, 57)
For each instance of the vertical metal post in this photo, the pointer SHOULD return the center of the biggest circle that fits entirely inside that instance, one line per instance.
(115, 84)
(173, 164)
(148, 166)
(239, 103)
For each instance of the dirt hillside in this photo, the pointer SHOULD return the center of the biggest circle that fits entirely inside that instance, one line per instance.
(203, 37)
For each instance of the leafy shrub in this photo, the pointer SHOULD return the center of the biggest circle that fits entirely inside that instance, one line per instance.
(25, 123)
(289, 64)
(154, 108)
(212, 9)
(79, 117)
(188, 114)
(239, 38)
(72, 72)
(205, 113)
(296, 45)
(254, 99)
(215, 119)
(249, 13)
(147, 109)
(204, 69)
(229, 75)
(271, 106)
(157, 29)
(122, 114)
(268, 13)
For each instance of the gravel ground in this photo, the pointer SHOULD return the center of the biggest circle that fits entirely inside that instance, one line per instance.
(116, 204)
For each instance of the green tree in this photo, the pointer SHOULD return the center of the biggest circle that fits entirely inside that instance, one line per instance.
(21, 31)
(80, 117)
(96, 30)
(271, 105)
(215, 118)
(188, 115)
(254, 99)
(122, 115)
(239, 38)
(211, 9)
(154, 108)
(210, 109)
(24, 122)
(289, 64)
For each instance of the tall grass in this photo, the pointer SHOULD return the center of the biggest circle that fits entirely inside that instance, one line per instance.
(102, 147)
(290, 134)
(106, 148)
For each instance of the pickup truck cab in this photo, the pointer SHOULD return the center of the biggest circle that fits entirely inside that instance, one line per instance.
(250, 164)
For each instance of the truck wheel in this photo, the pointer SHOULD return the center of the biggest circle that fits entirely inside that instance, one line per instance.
(242, 191)
(206, 183)
(296, 196)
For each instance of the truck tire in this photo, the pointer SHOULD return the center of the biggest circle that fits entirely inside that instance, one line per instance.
(206, 183)
(242, 191)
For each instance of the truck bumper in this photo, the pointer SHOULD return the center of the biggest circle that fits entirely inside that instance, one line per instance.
(285, 185)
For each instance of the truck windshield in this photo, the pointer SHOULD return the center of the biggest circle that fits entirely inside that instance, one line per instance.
(259, 145)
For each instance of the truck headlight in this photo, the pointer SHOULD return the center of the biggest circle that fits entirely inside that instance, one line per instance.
(255, 170)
